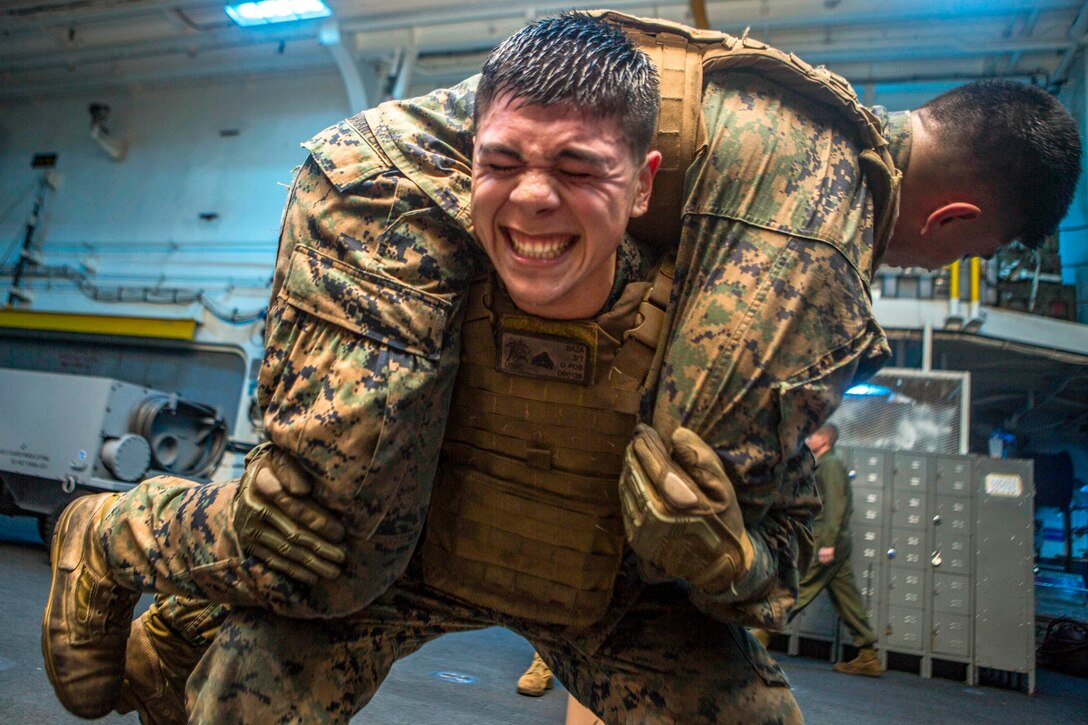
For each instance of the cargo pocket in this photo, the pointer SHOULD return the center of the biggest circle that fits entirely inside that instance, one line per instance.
(352, 356)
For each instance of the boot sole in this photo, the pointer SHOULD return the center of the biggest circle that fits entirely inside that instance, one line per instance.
(54, 564)
(57, 598)
(534, 693)
(862, 674)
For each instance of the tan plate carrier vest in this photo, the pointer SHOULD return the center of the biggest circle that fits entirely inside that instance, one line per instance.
(683, 56)
(525, 515)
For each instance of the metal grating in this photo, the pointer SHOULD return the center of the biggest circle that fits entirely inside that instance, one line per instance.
(908, 410)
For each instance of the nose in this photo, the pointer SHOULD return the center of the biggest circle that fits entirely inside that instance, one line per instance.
(535, 189)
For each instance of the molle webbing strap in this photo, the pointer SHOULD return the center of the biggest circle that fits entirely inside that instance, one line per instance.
(487, 402)
(681, 133)
(559, 447)
(644, 343)
(525, 518)
(830, 89)
(556, 480)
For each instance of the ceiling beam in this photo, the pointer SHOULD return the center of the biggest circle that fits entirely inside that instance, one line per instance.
(1076, 36)
(39, 15)
(331, 38)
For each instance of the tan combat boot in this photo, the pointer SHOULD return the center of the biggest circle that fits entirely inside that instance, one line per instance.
(87, 615)
(537, 679)
(158, 663)
(866, 663)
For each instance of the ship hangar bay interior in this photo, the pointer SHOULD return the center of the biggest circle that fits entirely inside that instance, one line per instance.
(146, 149)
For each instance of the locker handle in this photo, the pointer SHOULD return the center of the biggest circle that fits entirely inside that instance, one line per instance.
(891, 553)
(936, 559)
(936, 519)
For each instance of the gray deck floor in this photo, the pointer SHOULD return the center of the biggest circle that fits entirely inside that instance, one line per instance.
(429, 687)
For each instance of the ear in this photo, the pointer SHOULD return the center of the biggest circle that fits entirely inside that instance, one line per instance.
(956, 211)
(646, 175)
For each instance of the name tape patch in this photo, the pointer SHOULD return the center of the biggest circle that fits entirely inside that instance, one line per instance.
(549, 350)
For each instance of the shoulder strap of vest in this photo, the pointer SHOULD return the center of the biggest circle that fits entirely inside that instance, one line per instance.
(682, 56)
(644, 343)
(820, 85)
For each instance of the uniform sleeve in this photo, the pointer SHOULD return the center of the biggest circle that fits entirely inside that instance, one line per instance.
(768, 331)
(362, 344)
(832, 481)
(771, 318)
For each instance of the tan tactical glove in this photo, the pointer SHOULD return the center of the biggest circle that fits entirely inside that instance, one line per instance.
(278, 523)
(680, 512)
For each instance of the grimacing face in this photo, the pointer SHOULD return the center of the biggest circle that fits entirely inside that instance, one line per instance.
(552, 191)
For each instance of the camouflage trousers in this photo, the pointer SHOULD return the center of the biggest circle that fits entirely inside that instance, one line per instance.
(173, 536)
(653, 659)
(838, 579)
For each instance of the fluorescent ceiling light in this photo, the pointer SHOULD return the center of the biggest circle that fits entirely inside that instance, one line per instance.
(264, 12)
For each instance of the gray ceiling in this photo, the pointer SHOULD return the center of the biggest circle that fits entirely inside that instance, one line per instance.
(60, 46)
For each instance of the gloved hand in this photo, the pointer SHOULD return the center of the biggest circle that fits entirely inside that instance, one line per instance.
(680, 512)
(278, 523)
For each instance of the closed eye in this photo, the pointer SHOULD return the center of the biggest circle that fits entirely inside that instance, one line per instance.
(497, 168)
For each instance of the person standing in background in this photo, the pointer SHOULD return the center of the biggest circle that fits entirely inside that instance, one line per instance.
(832, 569)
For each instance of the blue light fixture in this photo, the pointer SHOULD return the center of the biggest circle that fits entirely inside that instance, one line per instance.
(264, 12)
(869, 390)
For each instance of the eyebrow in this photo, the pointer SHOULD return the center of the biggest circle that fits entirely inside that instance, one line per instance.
(574, 154)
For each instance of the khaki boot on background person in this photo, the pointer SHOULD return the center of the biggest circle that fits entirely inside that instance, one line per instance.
(87, 616)
(866, 663)
(537, 679)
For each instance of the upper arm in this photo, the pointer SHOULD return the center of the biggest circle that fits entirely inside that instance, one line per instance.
(361, 340)
(768, 332)
(773, 317)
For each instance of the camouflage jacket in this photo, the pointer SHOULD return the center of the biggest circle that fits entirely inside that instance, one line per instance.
(773, 319)
(770, 317)
(362, 340)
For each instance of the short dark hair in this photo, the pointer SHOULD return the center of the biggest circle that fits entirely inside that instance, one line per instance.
(831, 431)
(579, 61)
(1021, 141)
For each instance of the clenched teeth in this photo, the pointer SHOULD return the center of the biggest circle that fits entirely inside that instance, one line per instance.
(539, 246)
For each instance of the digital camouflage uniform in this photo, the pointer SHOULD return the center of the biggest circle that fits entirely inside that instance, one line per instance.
(832, 529)
(771, 321)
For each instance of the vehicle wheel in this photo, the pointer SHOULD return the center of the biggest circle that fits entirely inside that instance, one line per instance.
(47, 523)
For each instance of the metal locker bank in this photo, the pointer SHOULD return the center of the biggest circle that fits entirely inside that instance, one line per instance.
(942, 555)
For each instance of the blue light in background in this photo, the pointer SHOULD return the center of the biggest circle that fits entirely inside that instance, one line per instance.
(872, 390)
(264, 12)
